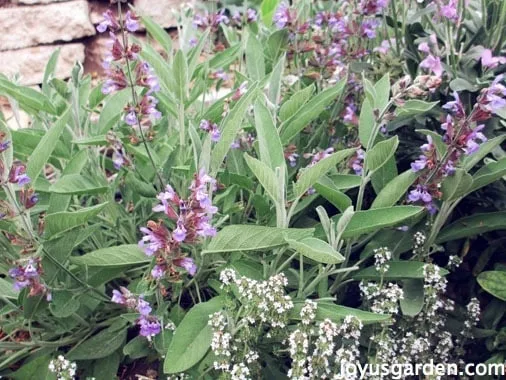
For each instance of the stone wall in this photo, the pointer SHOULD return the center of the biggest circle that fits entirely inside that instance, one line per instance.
(33, 29)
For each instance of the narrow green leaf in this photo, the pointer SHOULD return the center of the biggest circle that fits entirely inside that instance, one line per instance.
(488, 174)
(310, 111)
(43, 151)
(7, 290)
(381, 153)
(255, 63)
(382, 89)
(237, 237)
(158, 33)
(64, 221)
(473, 225)
(397, 270)
(265, 176)
(49, 71)
(229, 127)
(180, 71)
(415, 107)
(271, 150)
(413, 300)
(119, 256)
(275, 80)
(394, 190)
(326, 188)
(456, 185)
(296, 101)
(337, 313)
(317, 250)
(367, 221)
(494, 282)
(345, 181)
(78, 184)
(26, 97)
(309, 176)
(113, 108)
(267, 9)
(101, 345)
(366, 122)
(192, 337)
(63, 303)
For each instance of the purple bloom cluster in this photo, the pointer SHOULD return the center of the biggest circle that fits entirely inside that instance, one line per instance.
(251, 16)
(192, 217)
(212, 129)
(148, 323)
(318, 156)
(18, 175)
(212, 20)
(28, 276)
(291, 155)
(115, 62)
(489, 61)
(357, 161)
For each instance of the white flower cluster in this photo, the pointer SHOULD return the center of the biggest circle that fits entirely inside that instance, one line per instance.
(324, 356)
(63, 368)
(220, 343)
(381, 257)
(264, 301)
(419, 239)
(454, 262)
(382, 299)
(308, 312)
(473, 317)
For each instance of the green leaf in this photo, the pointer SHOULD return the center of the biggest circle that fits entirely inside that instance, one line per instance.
(229, 127)
(310, 111)
(326, 188)
(367, 221)
(255, 63)
(100, 345)
(460, 84)
(456, 186)
(42, 152)
(26, 97)
(192, 337)
(494, 282)
(107, 368)
(35, 369)
(63, 303)
(158, 33)
(337, 313)
(7, 290)
(113, 108)
(49, 71)
(296, 101)
(398, 270)
(64, 221)
(140, 187)
(366, 122)
(271, 150)
(317, 250)
(277, 43)
(381, 153)
(413, 300)
(265, 176)
(267, 9)
(345, 181)
(137, 348)
(78, 184)
(275, 81)
(488, 174)
(485, 148)
(473, 225)
(59, 202)
(119, 256)
(309, 176)
(241, 237)
(415, 107)
(382, 89)
(159, 65)
(180, 70)
(394, 190)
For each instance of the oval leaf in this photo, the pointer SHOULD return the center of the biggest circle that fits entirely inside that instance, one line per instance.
(317, 250)
(494, 282)
(119, 256)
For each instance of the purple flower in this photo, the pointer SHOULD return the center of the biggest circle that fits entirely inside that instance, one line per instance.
(449, 168)
(433, 64)
(487, 60)
(281, 16)
(118, 297)
(18, 175)
(419, 164)
(143, 307)
(455, 106)
(424, 47)
(131, 22)
(153, 241)
(150, 326)
(215, 134)
(193, 42)
(179, 234)
(369, 27)
(221, 74)
(131, 118)
(292, 159)
(4, 145)
(420, 193)
(450, 10)
(384, 47)
(157, 272)
(186, 263)
(471, 145)
(108, 22)
(251, 15)
(221, 18)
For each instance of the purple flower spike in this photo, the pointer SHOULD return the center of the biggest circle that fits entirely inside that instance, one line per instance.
(131, 118)
(118, 297)
(157, 272)
(186, 263)
(179, 234)
(282, 16)
(419, 164)
(420, 193)
(150, 326)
